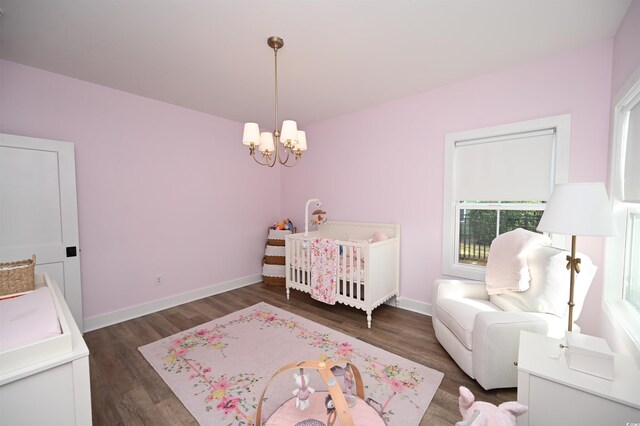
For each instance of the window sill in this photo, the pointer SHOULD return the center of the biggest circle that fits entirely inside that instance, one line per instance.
(469, 272)
(620, 313)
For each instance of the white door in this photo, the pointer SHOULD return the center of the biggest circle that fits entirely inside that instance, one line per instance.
(38, 211)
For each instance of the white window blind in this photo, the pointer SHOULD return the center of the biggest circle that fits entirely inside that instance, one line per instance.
(632, 156)
(516, 167)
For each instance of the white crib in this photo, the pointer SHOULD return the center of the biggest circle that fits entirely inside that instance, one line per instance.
(366, 278)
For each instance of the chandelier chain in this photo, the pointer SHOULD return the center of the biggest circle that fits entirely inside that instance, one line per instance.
(276, 133)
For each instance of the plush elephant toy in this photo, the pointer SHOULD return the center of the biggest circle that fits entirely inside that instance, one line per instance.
(478, 413)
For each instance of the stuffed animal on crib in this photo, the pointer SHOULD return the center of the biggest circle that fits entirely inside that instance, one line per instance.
(303, 392)
(478, 413)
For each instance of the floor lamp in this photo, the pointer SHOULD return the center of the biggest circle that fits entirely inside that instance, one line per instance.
(577, 209)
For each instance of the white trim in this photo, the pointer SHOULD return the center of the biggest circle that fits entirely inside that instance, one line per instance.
(411, 305)
(615, 307)
(463, 205)
(635, 100)
(621, 316)
(115, 317)
(105, 320)
(70, 279)
(562, 126)
(505, 137)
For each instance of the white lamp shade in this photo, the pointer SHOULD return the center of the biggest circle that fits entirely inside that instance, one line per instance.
(578, 209)
(302, 141)
(289, 132)
(266, 142)
(251, 134)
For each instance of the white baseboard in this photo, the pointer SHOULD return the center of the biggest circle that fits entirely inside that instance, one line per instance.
(104, 320)
(115, 317)
(411, 305)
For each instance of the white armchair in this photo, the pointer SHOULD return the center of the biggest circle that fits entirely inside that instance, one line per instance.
(481, 332)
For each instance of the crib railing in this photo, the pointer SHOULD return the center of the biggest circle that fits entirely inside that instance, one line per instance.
(351, 274)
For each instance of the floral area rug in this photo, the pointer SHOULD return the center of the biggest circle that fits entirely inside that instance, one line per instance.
(219, 369)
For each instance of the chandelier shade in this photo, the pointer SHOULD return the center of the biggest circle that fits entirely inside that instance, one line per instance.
(294, 141)
(266, 142)
(251, 134)
(302, 141)
(289, 135)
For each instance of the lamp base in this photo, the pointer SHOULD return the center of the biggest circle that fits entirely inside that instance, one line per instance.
(573, 264)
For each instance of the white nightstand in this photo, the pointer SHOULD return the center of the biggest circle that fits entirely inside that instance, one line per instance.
(557, 395)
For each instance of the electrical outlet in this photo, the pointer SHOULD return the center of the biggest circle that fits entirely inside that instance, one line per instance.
(159, 280)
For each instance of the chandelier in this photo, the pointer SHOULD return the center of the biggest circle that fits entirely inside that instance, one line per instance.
(294, 141)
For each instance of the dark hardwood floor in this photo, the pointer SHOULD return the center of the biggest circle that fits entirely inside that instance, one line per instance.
(126, 390)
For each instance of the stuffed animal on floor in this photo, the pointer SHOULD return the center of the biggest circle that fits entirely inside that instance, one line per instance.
(479, 413)
(303, 392)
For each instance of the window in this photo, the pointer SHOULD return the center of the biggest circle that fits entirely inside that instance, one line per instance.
(498, 179)
(480, 222)
(622, 254)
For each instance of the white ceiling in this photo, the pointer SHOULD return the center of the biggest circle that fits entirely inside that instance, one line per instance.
(338, 57)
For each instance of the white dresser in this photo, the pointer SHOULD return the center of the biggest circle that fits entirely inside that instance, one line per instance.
(557, 395)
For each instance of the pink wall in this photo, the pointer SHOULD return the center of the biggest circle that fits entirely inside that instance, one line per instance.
(385, 164)
(626, 48)
(161, 189)
(165, 189)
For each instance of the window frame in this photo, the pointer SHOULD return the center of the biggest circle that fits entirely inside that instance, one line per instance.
(633, 230)
(450, 243)
(620, 312)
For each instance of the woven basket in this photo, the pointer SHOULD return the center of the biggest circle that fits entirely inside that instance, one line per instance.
(17, 277)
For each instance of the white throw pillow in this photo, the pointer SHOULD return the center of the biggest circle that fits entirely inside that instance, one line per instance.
(549, 286)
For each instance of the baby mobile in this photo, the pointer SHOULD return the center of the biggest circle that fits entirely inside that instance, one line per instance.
(318, 212)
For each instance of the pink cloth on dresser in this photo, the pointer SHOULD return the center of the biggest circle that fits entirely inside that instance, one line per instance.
(27, 319)
(507, 267)
(324, 266)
